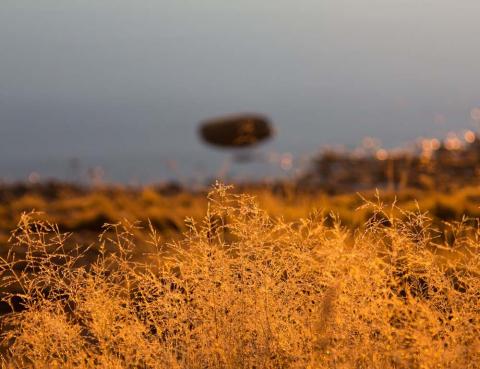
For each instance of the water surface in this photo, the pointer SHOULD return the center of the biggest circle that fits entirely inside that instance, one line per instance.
(122, 84)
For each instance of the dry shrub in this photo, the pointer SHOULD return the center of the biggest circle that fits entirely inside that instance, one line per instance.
(243, 290)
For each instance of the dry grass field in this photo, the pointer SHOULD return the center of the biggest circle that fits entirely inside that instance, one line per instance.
(83, 211)
(245, 282)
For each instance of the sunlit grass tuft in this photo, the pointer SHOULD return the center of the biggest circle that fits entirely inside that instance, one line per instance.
(242, 289)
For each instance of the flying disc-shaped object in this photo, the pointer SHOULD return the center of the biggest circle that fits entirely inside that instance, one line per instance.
(236, 131)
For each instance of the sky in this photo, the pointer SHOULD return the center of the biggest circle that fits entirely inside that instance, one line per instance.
(123, 84)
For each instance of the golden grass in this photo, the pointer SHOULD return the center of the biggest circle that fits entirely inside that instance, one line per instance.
(243, 289)
(83, 212)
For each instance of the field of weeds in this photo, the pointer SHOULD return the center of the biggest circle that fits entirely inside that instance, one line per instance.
(82, 210)
(244, 289)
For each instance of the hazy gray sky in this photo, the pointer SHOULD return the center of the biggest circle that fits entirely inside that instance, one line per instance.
(110, 79)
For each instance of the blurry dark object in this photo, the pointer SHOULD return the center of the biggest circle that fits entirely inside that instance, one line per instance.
(236, 131)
